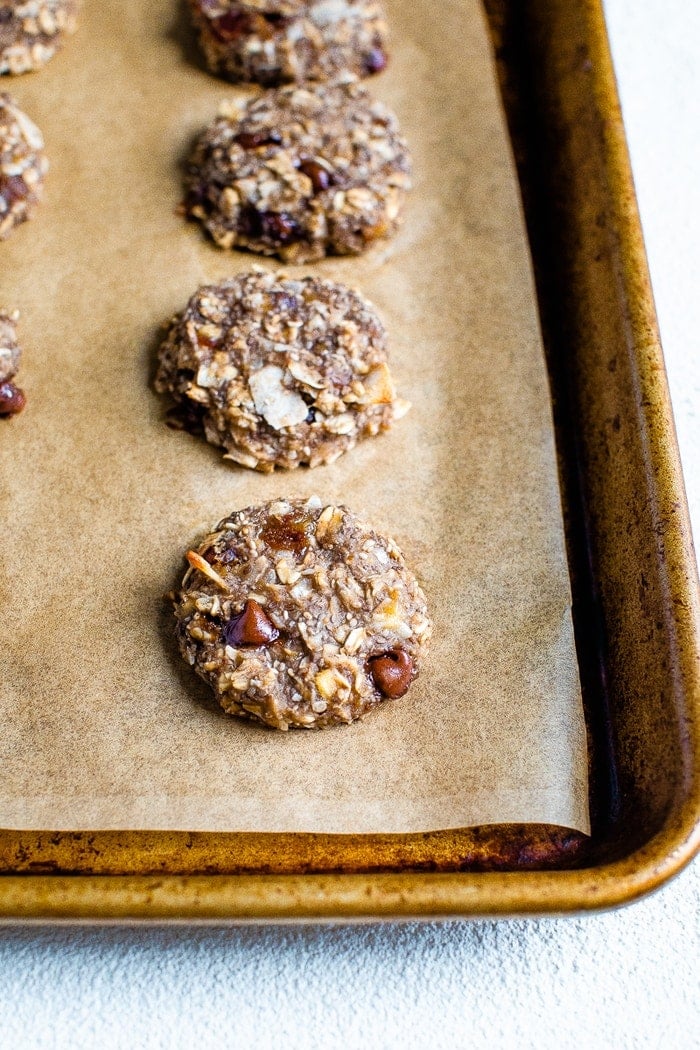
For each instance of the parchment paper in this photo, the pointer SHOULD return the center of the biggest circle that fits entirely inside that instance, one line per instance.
(102, 725)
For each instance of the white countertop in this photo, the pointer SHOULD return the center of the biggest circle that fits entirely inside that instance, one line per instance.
(626, 979)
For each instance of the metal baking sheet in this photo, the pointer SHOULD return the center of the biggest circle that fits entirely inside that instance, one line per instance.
(635, 583)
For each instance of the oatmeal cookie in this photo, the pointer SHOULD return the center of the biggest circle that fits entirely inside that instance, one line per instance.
(300, 615)
(22, 165)
(12, 399)
(31, 32)
(300, 172)
(280, 372)
(276, 41)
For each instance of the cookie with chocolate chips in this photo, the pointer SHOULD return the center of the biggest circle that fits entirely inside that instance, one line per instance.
(273, 42)
(300, 172)
(32, 31)
(279, 372)
(23, 165)
(300, 615)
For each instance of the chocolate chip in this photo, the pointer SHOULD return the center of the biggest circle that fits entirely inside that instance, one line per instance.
(250, 221)
(279, 227)
(256, 139)
(230, 25)
(197, 197)
(251, 627)
(376, 60)
(391, 672)
(320, 177)
(12, 400)
(274, 227)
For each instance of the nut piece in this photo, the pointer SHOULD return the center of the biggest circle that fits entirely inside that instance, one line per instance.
(250, 627)
(277, 404)
(198, 562)
(391, 672)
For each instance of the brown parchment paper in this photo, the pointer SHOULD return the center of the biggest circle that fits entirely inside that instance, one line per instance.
(102, 726)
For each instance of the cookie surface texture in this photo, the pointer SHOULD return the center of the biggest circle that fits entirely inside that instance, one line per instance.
(301, 616)
(300, 173)
(23, 165)
(31, 32)
(273, 42)
(279, 372)
(10, 351)
(12, 399)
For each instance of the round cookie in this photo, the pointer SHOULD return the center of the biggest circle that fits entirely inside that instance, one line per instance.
(31, 32)
(12, 399)
(300, 172)
(22, 165)
(276, 41)
(301, 616)
(280, 372)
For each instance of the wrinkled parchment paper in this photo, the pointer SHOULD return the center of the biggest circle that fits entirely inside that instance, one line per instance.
(102, 725)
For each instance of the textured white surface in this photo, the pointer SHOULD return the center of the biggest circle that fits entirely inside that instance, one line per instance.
(624, 980)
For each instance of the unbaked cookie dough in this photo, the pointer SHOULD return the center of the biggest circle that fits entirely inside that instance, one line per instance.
(23, 165)
(300, 172)
(276, 41)
(300, 615)
(31, 32)
(12, 399)
(280, 372)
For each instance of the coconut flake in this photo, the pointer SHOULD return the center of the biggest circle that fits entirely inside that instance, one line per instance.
(277, 405)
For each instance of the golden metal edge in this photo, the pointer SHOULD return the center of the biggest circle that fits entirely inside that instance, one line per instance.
(257, 898)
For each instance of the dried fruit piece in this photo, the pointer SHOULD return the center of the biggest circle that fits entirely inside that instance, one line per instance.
(251, 627)
(256, 139)
(279, 227)
(289, 532)
(13, 188)
(230, 26)
(391, 672)
(320, 176)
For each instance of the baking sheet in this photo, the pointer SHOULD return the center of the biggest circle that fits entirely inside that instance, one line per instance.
(103, 726)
